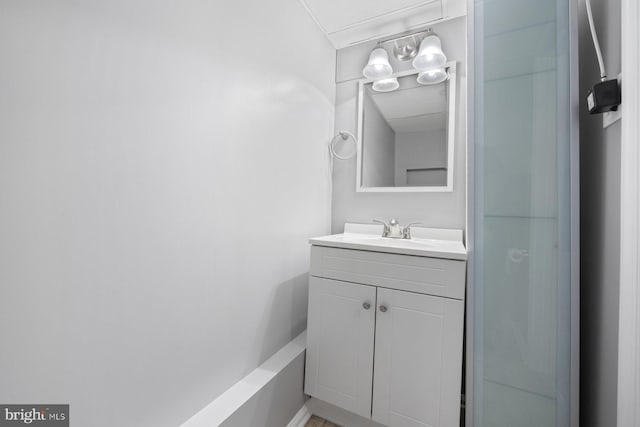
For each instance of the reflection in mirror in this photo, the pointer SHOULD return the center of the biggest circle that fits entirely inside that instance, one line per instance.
(404, 137)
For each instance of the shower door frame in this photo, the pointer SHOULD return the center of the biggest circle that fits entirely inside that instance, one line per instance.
(469, 347)
(629, 314)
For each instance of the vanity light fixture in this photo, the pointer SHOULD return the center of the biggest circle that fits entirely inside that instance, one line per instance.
(432, 77)
(430, 55)
(429, 59)
(378, 66)
(386, 85)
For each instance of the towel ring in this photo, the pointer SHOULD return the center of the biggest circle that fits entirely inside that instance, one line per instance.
(344, 136)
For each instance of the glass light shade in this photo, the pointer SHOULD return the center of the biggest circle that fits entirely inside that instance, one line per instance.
(378, 66)
(386, 85)
(430, 54)
(432, 77)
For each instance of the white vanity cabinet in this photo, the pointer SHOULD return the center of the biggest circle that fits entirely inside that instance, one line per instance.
(418, 360)
(340, 337)
(384, 335)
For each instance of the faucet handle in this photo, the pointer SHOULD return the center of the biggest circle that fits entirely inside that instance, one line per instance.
(386, 230)
(406, 231)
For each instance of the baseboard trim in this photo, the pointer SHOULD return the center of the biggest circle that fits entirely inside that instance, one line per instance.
(231, 401)
(301, 417)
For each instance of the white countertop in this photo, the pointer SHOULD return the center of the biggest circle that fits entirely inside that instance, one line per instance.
(427, 242)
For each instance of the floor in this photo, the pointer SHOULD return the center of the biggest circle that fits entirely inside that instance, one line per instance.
(319, 422)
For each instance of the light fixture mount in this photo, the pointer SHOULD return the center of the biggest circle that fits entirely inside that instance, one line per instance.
(405, 48)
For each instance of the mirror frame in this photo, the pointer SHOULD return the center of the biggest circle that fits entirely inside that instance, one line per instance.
(451, 137)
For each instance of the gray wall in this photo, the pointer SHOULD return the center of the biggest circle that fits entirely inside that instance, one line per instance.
(155, 166)
(380, 150)
(421, 150)
(434, 209)
(600, 227)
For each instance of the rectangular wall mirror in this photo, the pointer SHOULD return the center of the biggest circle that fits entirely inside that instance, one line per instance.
(406, 137)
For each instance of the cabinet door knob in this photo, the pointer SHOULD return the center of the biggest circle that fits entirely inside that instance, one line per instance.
(366, 305)
(383, 308)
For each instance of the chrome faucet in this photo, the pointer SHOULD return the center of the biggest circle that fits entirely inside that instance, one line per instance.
(394, 230)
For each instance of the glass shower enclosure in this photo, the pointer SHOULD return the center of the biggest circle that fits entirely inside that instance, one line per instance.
(522, 336)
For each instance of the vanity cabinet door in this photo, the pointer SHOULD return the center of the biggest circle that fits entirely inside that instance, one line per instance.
(418, 363)
(340, 331)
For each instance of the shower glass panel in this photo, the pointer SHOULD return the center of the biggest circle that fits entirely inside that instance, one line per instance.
(522, 222)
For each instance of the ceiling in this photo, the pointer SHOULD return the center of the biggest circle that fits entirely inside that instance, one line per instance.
(413, 107)
(354, 21)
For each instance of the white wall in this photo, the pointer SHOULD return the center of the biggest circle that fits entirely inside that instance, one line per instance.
(434, 209)
(600, 227)
(380, 150)
(155, 166)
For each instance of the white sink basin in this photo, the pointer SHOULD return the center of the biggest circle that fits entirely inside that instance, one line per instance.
(431, 242)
